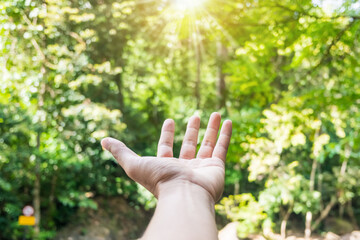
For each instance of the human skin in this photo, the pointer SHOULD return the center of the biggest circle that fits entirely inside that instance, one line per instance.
(186, 187)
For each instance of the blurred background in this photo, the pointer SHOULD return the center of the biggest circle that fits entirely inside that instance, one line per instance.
(287, 73)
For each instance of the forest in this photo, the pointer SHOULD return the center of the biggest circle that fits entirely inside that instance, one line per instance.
(287, 73)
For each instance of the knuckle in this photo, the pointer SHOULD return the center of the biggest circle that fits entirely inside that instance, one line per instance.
(166, 144)
(208, 143)
(190, 144)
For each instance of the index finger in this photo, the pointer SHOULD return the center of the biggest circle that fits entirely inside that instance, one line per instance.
(223, 142)
(166, 142)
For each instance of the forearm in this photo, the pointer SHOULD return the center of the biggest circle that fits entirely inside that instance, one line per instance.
(184, 211)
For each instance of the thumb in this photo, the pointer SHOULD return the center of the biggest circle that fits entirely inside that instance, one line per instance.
(119, 150)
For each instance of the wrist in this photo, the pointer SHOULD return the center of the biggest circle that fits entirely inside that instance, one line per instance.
(185, 211)
(186, 191)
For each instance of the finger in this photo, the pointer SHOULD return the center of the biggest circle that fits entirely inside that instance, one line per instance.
(188, 148)
(165, 146)
(223, 141)
(209, 141)
(119, 150)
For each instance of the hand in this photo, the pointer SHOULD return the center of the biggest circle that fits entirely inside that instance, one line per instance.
(164, 172)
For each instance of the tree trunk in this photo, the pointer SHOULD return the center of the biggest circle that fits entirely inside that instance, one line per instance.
(341, 210)
(36, 192)
(333, 200)
(308, 218)
(309, 215)
(284, 222)
(221, 85)
(52, 206)
(320, 180)
(198, 75)
(324, 213)
(119, 83)
(342, 173)
(350, 212)
(37, 170)
(236, 183)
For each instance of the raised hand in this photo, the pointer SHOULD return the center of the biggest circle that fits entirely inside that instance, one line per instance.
(164, 173)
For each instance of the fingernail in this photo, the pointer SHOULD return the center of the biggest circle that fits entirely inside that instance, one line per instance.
(104, 143)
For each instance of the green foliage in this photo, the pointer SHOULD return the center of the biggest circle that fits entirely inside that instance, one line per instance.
(244, 209)
(72, 72)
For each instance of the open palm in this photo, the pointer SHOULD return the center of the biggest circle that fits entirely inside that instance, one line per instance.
(206, 169)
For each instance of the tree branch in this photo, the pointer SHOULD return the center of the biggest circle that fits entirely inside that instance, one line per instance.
(305, 13)
(324, 213)
(37, 47)
(328, 49)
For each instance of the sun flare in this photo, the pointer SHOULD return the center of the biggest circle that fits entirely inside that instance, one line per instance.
(185, 5)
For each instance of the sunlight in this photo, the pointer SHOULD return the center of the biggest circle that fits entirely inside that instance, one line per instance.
(185, 5)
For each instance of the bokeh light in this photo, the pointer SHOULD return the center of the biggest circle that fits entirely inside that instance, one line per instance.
(185, 5)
